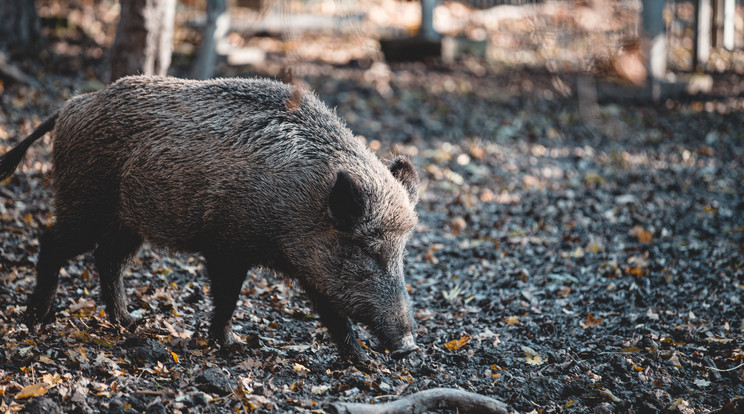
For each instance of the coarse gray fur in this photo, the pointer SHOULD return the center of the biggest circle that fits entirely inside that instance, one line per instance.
(247, 172)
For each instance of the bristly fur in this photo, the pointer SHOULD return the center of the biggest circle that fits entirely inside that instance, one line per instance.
(247, 172)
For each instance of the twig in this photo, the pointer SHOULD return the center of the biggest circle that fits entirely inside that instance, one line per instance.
(148, 392)
(726, 370)
(462, 401)
(10, 71)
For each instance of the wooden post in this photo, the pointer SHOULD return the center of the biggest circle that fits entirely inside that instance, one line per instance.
(729, 11)
(717, 30)
(654, 39)
(218, 24)
(427, 20)
(701, 50)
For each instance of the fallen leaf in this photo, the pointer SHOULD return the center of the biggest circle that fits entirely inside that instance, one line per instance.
(423, 314)
(458, 224)
(677, 404)
(702, 383)
(46, 360)
(593, 247)
(161, 369)
(675, 360)
(52, 380)
(300, 368)
(532, 357)
(636, 271)
(33, 390)
(593, 178)
(513, 320)
(609, 395)
(456, 344)
(643, 235)
(652, 315)
(563, 292)
(590, 321)
(319, 389)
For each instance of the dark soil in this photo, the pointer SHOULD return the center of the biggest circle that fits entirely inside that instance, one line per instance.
(571, 257)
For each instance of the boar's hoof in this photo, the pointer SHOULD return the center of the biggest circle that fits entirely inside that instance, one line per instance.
(225, 339)
(404, 347)
(370, 366)
(35, 316)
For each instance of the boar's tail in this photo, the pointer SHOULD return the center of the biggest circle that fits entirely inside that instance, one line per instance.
(10, 160)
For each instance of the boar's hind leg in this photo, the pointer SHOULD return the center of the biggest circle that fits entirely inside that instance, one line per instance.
(114, 251)
(340, 329)
(226, 277)
(57, 245)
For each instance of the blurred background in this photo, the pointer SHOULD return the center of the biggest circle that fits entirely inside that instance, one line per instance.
(600, 37)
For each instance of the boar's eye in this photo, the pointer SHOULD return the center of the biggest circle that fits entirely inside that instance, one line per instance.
(379, 259)
(375, 258)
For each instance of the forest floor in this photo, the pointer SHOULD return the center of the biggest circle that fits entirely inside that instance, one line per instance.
(571, 256)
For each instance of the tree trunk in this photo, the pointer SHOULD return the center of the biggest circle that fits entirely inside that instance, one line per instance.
(20, 29)
(144, 38)
(218, 23)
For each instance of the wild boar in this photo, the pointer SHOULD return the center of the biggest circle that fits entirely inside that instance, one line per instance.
(246, 172)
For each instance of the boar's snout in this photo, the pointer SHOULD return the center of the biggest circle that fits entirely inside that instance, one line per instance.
(404, 347)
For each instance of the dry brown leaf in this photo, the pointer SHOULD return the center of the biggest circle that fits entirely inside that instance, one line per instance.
(636, 271)
(52, 380)
(300, 368)
(532, 357)
(643, 235)
(46, 360)
(33, 390)
(456, 344)
(513, 320)
(590, 321)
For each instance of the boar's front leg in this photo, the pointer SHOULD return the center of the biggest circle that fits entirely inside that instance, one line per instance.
(226, 276)
(341, 330)
(113, 252)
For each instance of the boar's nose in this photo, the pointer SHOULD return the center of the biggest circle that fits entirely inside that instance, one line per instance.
(404, 347)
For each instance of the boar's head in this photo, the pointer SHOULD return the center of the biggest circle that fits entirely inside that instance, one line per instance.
(359, 259)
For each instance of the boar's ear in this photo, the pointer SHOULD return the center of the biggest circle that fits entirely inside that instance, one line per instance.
(346, 202)
(405, 172)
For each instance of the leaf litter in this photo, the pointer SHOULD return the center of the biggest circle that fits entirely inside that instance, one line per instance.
(556, 267)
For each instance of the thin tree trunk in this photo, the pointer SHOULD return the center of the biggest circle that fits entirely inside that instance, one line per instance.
(20, 29)
(144, 38)
(218, 23)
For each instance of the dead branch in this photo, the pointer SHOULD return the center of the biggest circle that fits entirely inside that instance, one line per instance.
(437, 398)
(11, 72)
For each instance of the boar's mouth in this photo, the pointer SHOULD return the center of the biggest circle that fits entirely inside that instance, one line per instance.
(402, 348)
